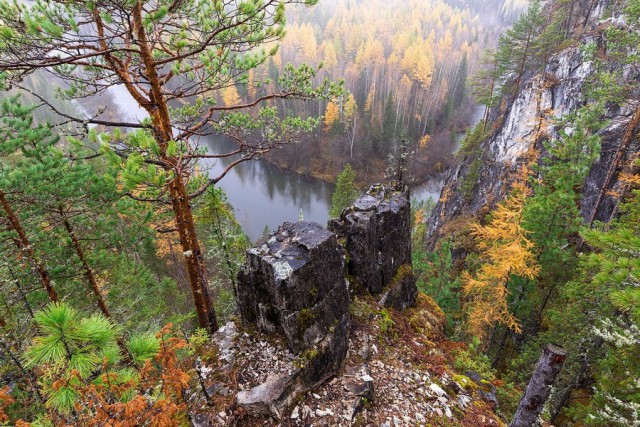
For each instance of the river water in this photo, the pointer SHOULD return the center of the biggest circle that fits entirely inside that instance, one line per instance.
(263, 195)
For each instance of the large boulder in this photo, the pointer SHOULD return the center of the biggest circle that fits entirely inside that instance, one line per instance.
(376, 235)
(294, 283)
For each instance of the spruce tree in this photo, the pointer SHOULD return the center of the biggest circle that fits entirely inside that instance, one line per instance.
(345, 192)
(389, 123)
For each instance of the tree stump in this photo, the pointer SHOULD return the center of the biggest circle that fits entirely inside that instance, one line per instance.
(539, 387)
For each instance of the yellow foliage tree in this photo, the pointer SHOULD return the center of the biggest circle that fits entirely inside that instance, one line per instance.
(230, 96)
(368, 105)
(330, 61)
(506, 252)
(350, 108)
(419, 62)
(331, 116)
(424, 141)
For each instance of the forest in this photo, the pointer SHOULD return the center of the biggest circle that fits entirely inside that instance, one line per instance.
(122, 260)
(405, 65)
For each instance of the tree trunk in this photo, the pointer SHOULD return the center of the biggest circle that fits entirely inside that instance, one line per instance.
(161, 121)
(193, 255)
(615, 163)
(88, 272)
(539, 387)
(26, 249)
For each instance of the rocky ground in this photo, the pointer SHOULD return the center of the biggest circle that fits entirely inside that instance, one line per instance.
(396, 373)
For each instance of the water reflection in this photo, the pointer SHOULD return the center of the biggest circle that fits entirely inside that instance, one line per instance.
(263, 195)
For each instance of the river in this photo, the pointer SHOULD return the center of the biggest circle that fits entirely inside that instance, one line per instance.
(263, 195)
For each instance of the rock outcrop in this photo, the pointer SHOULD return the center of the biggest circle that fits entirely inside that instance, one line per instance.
(376, 235)
(386, 366)
(295, 284)
(528, 121)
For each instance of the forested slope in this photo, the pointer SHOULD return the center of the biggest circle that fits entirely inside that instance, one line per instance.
(535, 237)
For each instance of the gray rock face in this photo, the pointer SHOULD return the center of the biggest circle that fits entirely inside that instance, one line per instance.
(295, 283)
(402, 291)
(376, 232)
(540, 99)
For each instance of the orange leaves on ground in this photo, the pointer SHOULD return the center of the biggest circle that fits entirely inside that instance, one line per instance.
(506, 251)
(156, 399)
(5, 400)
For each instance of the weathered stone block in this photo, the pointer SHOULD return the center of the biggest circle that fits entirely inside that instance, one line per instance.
(295, 283)
(376, 235)
(402, 290)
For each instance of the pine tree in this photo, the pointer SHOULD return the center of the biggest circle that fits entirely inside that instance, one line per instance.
(345, 192)
(169, 64)
(86, 381)
(77, 220)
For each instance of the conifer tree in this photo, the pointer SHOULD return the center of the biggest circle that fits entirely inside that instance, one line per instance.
(18, 132)
(506, 252)
(86, 381)
(169, 56)
(345, 192)
(331, 118)
(389, 122)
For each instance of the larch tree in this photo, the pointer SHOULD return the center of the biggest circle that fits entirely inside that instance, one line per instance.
(506, 252)
(331, 117)
(171, 57)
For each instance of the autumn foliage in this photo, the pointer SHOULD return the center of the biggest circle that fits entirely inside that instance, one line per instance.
(148, 389)
(506, 252)
(5, 400)
(157, 395)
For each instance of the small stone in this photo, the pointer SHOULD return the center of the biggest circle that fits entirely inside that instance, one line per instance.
(295, 414)
(367, 378)
(437, 389)
(324, 413)
(317, 396)
(222, 414)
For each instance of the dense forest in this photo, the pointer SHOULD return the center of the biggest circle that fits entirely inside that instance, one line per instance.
(405, 65)
(121, 258)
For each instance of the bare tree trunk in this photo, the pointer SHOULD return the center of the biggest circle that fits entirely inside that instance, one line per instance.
(193, 255)
(26, 249)
(88, 272)
(539, 387)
